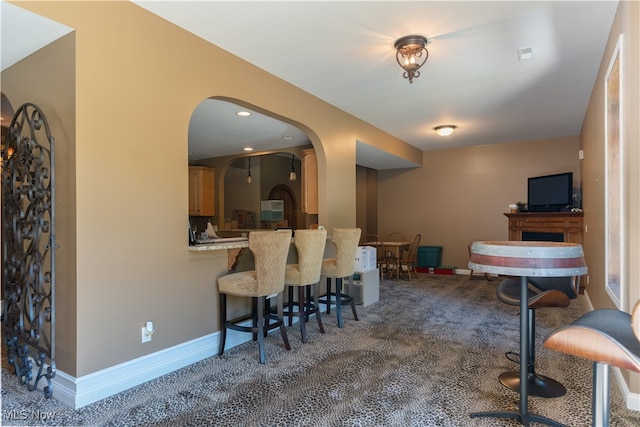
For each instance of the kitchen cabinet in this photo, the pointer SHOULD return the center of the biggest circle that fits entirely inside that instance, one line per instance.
(309, 182)
(201, 191)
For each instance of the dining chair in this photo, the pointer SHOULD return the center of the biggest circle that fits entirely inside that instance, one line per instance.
(270, 250)
(343, 265)
(395, 236)
(607, 337)
(393, 259)
(546, 292)
(409, 258)
(376, 241)
(305, 276)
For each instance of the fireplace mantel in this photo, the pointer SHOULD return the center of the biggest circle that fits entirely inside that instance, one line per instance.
(569, 224)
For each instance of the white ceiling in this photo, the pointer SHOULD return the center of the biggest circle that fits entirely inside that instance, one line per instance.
(342, 52)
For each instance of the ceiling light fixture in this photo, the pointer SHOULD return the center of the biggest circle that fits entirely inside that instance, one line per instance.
(292, 174)
(445, 130)
(248, 148)
(243, 113)
(249, 179)
(411, 54)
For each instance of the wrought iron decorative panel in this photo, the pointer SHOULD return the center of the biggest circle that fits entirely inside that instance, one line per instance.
(28, 248)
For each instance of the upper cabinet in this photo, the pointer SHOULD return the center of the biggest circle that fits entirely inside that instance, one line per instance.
(309, 181)
(201, 194)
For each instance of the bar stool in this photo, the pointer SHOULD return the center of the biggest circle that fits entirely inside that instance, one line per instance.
(270, 250)
(305, 276)
(607, 337)
(549, 292)
(343, 265)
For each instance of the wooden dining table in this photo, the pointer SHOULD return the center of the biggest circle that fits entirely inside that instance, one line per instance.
(395, 248)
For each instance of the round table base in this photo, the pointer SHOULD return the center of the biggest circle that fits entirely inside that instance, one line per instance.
(538, 385)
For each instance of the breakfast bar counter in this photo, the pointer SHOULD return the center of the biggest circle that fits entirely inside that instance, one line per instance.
(234, 250)
(217, 246)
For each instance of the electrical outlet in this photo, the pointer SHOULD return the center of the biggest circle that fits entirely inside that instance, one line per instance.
(147, 332)
(146, 337)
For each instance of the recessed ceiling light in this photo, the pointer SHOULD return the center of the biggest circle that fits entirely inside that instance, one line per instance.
(243, 113)
(248, 148)
(287, 137)
(525, 53)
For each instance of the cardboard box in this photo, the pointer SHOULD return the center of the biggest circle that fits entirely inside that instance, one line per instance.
(230, 224)
(365, 258)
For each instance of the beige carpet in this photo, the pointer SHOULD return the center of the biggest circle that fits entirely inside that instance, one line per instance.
(427, 354)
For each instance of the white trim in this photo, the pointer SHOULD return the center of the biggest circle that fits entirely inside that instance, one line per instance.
(631, 400)
(619, 298)
(80, 392)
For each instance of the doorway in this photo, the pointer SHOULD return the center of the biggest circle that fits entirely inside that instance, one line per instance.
(284, 193)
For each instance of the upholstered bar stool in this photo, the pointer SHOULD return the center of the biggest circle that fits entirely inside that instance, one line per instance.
(343, 265)
(607, 337)
(270, 250)
(305, 276)
(547, 292)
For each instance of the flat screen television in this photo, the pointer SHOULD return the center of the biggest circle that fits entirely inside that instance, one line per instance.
(550, 193)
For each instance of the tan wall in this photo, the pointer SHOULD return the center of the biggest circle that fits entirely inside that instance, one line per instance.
(31, 81)
(135, 91)
(367, 200)
(460, 195)
(594, 173)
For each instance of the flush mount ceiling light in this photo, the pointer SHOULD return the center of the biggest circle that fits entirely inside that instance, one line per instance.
(411, 54)
(445, 130)
(243, 113)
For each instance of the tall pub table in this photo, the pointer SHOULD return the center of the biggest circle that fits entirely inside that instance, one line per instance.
(526, 259)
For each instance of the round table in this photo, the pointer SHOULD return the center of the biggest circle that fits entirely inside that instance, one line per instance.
(526, 259)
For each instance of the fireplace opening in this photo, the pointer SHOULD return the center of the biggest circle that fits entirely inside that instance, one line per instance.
(541, 236)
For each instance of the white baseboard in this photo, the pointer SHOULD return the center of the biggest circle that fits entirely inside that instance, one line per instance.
(631, 400)
(82, 391)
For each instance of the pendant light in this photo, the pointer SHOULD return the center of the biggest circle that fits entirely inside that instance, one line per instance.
(292, 174)
(249, 179)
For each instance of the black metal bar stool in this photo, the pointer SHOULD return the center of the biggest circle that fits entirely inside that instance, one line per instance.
(547, 292)
(607, 337)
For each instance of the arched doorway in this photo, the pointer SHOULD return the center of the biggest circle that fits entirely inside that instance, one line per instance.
(284, 193)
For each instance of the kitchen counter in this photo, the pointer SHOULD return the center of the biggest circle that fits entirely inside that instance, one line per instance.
(219, 246)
